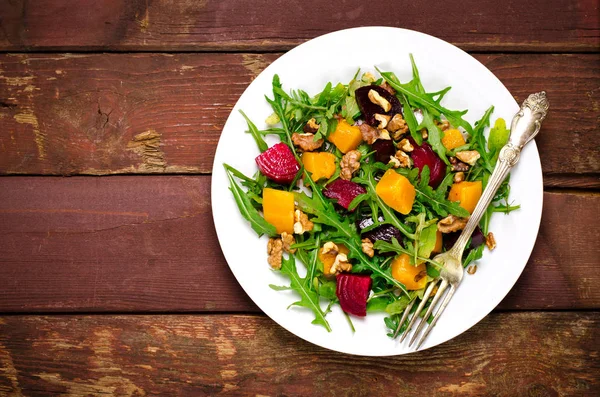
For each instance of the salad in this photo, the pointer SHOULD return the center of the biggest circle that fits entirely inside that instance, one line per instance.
(369, 180)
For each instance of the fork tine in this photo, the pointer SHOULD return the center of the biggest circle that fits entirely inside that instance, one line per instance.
(419, 309)
(404, 316)
(437, 315)
(444, 284)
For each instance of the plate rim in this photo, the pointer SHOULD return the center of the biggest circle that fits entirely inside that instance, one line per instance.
(532, 147)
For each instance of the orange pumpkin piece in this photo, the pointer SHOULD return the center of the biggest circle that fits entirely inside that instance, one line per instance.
(328, 258)
(396, 191)
(438, 243)
(320, 164)
(346, 137)
(468, 193)
(413, 277)
(278, 209)
(453, 139)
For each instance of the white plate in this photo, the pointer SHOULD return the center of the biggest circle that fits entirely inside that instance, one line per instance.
(335, 57)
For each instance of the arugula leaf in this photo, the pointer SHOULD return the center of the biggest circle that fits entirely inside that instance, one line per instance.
(498, 138)
(251, 214)
(478, 138)
(260, 142)
(436, 199)
(415, 93)
(427, 240)
(308, 298)
(411, 120)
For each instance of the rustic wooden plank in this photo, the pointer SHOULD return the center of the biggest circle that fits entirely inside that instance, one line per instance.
(163, 113)
(526, 353)
(148, 244)
(229, 25)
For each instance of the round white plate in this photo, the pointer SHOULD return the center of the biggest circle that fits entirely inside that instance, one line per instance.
(335, 57)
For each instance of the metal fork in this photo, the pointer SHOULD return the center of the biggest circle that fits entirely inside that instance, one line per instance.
(524, 127)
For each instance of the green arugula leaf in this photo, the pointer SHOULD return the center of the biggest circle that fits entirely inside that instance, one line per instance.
(436, 199)
(260, 142)
(308, 297)
(498, 138)
(251, 214)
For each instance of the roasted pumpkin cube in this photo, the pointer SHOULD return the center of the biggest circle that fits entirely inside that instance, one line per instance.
(467, 193)
(346, 137)
(319, 164)
(452, 139)
(278, 209)
(413, 277)
(396, 191)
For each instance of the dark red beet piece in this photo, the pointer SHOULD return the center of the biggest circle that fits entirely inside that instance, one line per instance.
(477, 238)
(343, 191)
(278, 163)
(384, 233)
(352, 291)
(425, 156)
(384, 148)
(368, 108)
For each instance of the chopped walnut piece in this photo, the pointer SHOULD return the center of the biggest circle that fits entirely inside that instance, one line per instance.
(275, 252)
(311, 126)
(367, 247)
(443, 125)
(383, 120)
(406, 146)
(451, 223)
(388, 88)
(349, 164)
(405, 161)
(394, 161)
(459, 177)
(472, 269)
(420, 275)
(340, 264)
(301, 223)
(458, 166)
(329, 248)
(424, 133)
(468, 156)
(369, 134)
(287, 240)
(490, 241)
(377, 99)
(384, 134)
(306, 141)
(368, 77)
(397, 126)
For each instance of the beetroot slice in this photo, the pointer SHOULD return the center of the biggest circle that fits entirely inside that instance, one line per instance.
(425, 156)
(352, 291)
(477, 238)
(384, 149)
(278, 163)
(368, 108)
(343, 191)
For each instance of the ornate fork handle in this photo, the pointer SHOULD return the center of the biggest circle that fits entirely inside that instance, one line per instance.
(525, 126)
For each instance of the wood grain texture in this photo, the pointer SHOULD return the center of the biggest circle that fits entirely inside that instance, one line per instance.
(131, 243)
(163, 113)
(231, 25)
(547, 354)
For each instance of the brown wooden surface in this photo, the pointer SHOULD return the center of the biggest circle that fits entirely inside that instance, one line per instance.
(229, 25)
(534, 354)
(75, 251)
(135, 244)
(163, 113)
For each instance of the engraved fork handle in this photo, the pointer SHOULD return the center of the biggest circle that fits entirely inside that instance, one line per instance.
(524, 127)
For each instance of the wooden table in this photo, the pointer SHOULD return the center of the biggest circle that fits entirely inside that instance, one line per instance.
(117, 285)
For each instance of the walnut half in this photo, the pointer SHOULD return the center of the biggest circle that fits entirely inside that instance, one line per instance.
(349, 164)
(306, 141)
(451, 224)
